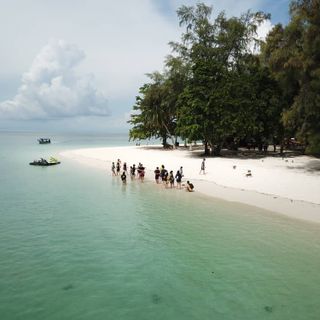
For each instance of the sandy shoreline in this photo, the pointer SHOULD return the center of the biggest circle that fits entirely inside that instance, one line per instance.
(286, 186)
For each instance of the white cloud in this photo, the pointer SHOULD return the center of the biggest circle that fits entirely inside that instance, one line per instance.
(262, 32)
(122, 40)
(264, 29)
(53, 89)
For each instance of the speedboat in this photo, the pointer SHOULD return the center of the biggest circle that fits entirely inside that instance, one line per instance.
(44, 163)
(44, 140)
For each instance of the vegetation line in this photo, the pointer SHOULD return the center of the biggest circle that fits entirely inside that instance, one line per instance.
(224, 86)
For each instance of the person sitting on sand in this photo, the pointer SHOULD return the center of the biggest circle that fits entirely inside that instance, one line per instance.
(189, 186)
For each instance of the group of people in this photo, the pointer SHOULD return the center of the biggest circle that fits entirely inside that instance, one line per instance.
(167, 177)
(134, 171)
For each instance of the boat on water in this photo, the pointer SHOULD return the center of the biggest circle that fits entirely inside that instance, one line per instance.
(44, 163)
(44, 140)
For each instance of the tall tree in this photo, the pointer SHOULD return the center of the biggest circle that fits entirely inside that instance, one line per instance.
(150, 119)
(293, 54)
(155, 109)
(216, 102)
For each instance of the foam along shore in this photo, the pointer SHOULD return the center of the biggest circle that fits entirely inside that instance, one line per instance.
(290, 186)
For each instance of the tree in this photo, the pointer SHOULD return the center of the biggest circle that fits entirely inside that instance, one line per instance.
(155, 108)
(293, 55)
(151, 119)
(217, 101)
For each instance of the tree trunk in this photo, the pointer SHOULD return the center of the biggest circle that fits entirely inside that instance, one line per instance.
(281, 147)
(206, 148)
(164, 141)
(169, 135)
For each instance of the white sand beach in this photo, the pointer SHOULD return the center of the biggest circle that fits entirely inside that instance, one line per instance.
(289, 186)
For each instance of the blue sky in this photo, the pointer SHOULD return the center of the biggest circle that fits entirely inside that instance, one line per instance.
(68, 67)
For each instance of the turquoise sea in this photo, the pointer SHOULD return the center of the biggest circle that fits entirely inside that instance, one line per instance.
(77, 244)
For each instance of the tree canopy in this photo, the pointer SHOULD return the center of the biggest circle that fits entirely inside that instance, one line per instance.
(217, 89)
(293, 55)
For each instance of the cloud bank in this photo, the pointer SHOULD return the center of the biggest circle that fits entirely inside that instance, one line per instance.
(122, 40)
(53, 89)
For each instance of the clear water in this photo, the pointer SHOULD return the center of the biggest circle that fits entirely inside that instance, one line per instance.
(77, 244)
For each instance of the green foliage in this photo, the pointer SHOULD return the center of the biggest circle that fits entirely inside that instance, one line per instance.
(293, 55)
(155, 109)
(314, 144)
(214, 88)
(229, 95)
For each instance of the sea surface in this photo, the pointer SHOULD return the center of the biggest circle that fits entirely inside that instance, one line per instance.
(77, 244)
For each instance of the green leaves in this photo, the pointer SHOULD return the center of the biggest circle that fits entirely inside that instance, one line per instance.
(227, 92)
(293, 55)
(213, 88)
(156, 104)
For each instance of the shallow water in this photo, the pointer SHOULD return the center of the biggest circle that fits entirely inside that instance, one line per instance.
(77, 244)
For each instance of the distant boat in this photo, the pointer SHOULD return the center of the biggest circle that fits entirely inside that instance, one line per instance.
(44, 140)
(44, 163)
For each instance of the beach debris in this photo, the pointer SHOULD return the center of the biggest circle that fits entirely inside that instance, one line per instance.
(234, 167)
(155, 298)
(68, 287)
(268, 308)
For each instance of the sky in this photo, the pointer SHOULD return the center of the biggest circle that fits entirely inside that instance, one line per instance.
(76, 66)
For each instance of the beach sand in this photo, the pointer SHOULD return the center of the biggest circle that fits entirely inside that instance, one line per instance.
(289, 186)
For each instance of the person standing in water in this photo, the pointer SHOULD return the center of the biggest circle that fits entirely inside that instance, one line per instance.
(124, 177)
(178, 179)
(118, 168)
(157, 174)
(171, 179)
(133, 170)
(113, 169)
